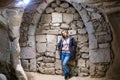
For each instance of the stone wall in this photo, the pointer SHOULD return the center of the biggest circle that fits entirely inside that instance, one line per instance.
(88, 26)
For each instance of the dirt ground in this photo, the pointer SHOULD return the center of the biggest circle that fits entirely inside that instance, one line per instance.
(37, 76)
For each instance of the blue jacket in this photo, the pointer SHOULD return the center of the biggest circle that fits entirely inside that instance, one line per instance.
(72, 47)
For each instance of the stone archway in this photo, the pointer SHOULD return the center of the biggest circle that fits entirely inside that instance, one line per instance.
(97, 29)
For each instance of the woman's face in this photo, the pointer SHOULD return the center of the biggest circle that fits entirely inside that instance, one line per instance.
(64, 34)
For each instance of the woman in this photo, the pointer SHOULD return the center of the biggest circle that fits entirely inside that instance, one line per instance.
(67, 47)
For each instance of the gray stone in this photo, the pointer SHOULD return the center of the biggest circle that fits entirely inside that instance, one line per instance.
(67, 18)
(84, 49)
(32, 29)
(51, 47)
(76, 16)
(25, 64)
(59, 9)
(64, 5)
(56, 17)
(64, 26)
(41, 47)
(49, 10)
(95, 16)
(33, 64)
(41, 38)
(92, 42)
(100, 55)
(89, 27)
(104, 45)
(31, 41)
(82, 31)
(70, 10)
(46, 18)
(3, 77)
(28, 52)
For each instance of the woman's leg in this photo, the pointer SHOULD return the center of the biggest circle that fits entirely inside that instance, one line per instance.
(65, 59)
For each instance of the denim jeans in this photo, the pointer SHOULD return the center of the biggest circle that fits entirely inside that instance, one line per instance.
(65, 58)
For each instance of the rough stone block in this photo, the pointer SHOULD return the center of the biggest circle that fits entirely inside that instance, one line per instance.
(41, 38)
(81, 63)
(46, 18)
(82, 31)
(33, 64)
(64, 26)
(31, 41)
(80, 24)
(67, 18)
(50, 54)
(25, 64)
(76, 16)
(59, 9)
(64, 5)
(58, 64)
(72, 32)
(41, 47)
(39, 31)
(53, 5)
(82, 38)
(104, 45)
(49, 10)
(28, 52)
(70, 10)
(31, 30)
(100, 55)
(89, 27)
(49, 32)
(48, 60)
(57, 54)
(51, 47)
(49, 65)
(56, 17)
(84, 49)
(51, 39)
(85, 56)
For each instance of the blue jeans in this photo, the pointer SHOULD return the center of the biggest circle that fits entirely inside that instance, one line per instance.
(65, 58)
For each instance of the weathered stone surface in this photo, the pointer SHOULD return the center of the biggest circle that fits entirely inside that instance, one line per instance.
(67, 18)
(95, 16)
(33, 64)
(31, 41)
(57, 54)
(58, 2)
(53, 5)
(100, 55)
(28, 52)
(55, 24)
(82, 31)
(48, 60)
(92, 69)
(56, 17)
(76, 16)
(92, 42)
(39, 31)
(31, 30)
(51, 47)
(59, 9)
(41, 38)
(84, 70)
(64, 5)
(25, 64)
(85, 56)
(49, 32)
(50, 54)
(84, 49)
(3, 77)
(64, 26)
(80, 24)
(49, 10)
(83, 74)
(49, 65)
(82, 38)
(46, 18)
(89, 28)
(51, 39)
(41, 47)
(70, 10)
(81, 63)
(104, 45)
(58, 64)
(72, 32)
(47, 70)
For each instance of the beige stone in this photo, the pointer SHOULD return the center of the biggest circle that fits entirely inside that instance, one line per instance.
(49, 32)
(76, 16)
(41, 47)
(51, 39)
(49, 10)
(64, 5)
(81, 63)
(46, 18)
(53, 5)
(41, 38)
(59, 9)
(56, 17)
(72, 32)
(64, 26)
(51, 47)
(67, 18)
(70, 10)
